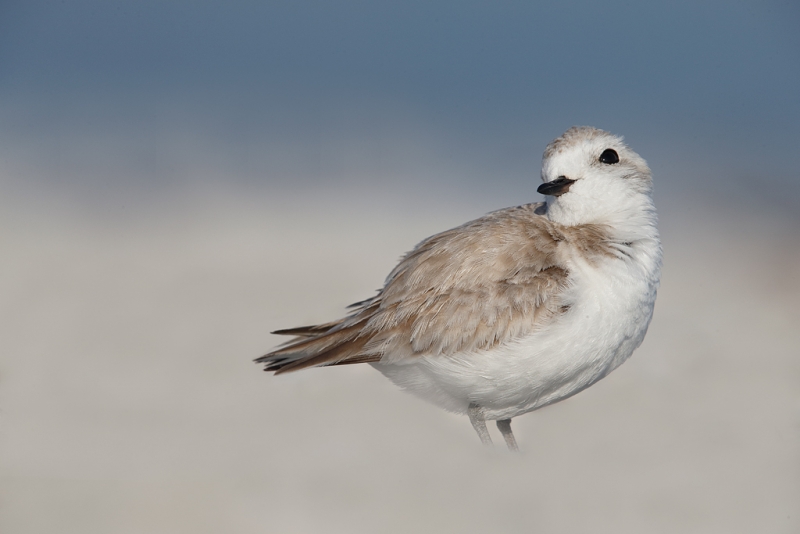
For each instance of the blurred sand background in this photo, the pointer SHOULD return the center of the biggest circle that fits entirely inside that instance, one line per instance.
(176, 181)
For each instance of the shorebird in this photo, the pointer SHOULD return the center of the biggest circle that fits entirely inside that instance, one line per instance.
(518, 309)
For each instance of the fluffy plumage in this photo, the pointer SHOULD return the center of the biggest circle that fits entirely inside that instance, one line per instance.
(517, 309)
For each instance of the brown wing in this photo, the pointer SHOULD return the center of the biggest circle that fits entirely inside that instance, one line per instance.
(469, 288)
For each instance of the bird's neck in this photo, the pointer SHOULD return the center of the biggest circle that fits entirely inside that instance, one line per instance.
(627, 220)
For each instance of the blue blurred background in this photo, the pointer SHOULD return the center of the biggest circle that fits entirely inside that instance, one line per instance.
(107, 99)
(178, 178)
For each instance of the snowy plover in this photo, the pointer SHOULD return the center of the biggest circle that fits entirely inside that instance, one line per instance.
(518, 309)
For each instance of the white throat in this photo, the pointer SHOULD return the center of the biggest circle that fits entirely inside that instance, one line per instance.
(631, 217)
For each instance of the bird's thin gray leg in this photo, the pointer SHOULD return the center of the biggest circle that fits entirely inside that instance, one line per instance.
(505, 428)
(479, 423)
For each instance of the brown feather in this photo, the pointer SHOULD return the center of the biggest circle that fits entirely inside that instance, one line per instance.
(486, 282)
(333, 356)
(313, 330)
(304, 344)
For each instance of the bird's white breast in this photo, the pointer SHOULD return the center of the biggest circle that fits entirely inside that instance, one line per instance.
(610, 306)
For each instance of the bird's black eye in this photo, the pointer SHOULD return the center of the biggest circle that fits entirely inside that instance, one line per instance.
(609, 156)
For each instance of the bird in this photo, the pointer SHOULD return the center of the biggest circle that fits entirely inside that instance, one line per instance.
(518, 309)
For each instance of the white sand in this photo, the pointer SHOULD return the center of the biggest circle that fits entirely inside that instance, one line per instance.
(130, 404)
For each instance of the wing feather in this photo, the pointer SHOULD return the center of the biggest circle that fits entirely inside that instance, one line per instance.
(486, 282)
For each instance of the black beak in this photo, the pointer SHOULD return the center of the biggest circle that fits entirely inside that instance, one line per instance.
(557, 187)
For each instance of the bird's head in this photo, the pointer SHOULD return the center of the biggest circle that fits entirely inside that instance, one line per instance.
(592, 176)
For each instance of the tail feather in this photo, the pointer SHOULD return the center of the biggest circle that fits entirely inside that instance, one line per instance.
(338, 355)
(319, 345)
(319, 342)
(305, 331)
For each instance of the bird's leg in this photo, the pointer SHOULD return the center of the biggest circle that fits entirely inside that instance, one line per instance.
(479, 423)
(504, 425)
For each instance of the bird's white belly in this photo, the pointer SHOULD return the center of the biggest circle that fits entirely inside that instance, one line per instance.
(610, 310)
